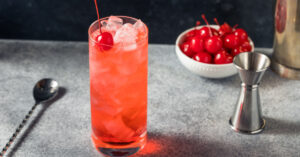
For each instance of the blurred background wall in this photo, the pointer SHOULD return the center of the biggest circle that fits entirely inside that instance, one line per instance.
(70, 19)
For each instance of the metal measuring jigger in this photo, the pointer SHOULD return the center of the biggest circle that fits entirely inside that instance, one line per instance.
(247, 116)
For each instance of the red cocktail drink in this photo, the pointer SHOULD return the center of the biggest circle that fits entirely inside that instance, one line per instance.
(118, 85)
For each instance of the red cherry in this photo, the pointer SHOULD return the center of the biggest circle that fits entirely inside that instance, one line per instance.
(193, 32)
(203, 57)
(222, 57)
(105, 41)
(246, 47)
(241, 34)
(225, 29)
(186, 49)
(196, 44)
(231, 41)
(213, 44)
(221, 32)
(236, 51)
(188, 38)
(204, 32)
(211, 31)
(190, 34)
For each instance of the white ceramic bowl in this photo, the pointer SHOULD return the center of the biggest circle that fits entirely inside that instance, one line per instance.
(204, 69)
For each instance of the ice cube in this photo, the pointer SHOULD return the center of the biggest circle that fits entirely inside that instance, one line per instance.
(108, 110)
(127, 70)
(115, 20)
(139, 26)
(118, 129)
(114, 23)
(135, 118)
(127, 34)
(130, 47)
(104, 23)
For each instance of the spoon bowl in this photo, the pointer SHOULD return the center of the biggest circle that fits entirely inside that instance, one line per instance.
(45, 89)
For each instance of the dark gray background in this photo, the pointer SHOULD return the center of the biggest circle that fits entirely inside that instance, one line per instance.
(70, 19)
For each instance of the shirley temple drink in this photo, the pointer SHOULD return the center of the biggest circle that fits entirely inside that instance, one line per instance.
(118, 58)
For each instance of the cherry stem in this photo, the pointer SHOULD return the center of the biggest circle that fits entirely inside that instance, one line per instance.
(197, 24)
(216, 21)
(234, 27)
(97, 10)
(205, 20)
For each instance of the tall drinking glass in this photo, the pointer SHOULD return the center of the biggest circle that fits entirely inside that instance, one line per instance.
(118, 86)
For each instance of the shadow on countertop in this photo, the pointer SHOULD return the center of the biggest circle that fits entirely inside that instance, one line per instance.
(62, 91)
(278, 126)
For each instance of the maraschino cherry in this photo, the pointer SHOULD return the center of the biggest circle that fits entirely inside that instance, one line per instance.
(197, 44)
(246, 47)
(186, 49)
(241, 34)
(195, 41)
(204, 32)
(236, 51)
(222, 57)
(203, 57)
(212, 43)
(224, 28)
(193, 32)
(105, 40)
(231, 41)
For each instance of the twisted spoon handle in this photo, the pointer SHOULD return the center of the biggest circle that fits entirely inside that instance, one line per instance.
(18, 130)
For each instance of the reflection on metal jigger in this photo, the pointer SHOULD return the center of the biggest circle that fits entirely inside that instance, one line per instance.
(247, 116)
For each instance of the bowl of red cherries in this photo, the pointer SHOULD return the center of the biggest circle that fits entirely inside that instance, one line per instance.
(208, 50)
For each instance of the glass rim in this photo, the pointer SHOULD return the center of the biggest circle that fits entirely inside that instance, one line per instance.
(104, 18)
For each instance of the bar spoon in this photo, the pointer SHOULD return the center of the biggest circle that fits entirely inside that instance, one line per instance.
(44, 90)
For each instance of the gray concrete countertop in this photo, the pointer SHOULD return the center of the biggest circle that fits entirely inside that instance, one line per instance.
(187, 115)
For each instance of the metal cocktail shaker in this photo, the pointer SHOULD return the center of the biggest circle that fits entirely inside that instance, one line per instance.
(286, 56)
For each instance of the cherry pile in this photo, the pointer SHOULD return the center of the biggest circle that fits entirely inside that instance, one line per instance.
(209, 45)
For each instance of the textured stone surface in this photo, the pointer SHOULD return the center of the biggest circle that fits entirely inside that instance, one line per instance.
(188, 115)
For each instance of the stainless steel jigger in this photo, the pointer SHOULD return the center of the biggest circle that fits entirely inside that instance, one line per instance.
(247, 116)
